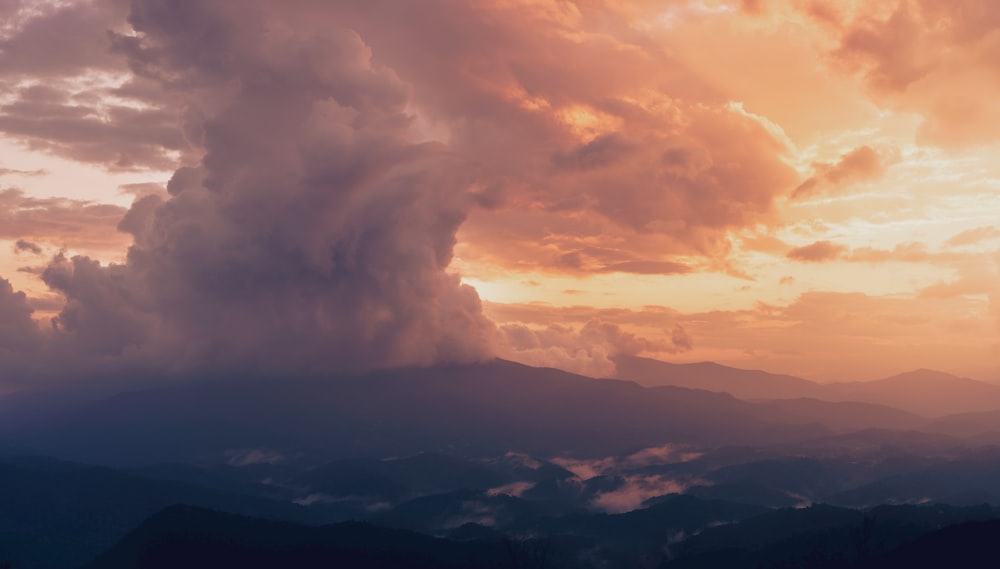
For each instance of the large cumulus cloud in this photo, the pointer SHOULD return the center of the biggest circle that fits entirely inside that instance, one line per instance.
(313, 232)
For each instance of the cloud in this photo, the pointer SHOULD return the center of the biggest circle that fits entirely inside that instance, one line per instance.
(53, 39)
(251, 457)
(905, 253)
(313, 235)
(581, 127)
(680, 339)
(514, 489)
(16, 172)
(118, 137)
(22, 246)
(326, 173)
(585, 469)
(861, 164)
(817, 252)
(664, 454)
(61, 222)
(914, 252)
(19, 334)
(634, 492)
(974, 236)
(647, 268)
(934, 57)
(66, 94)
(951, 326)
(587, 350)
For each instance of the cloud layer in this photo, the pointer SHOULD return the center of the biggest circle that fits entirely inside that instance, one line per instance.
(333, 166)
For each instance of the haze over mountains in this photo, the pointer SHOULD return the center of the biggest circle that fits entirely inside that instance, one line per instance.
(924, 392)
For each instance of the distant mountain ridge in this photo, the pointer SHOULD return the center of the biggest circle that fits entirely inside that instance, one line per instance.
(740, 383)
(923, 392)
(477, 409)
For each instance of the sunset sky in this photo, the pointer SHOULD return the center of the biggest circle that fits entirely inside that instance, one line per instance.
(801, 186)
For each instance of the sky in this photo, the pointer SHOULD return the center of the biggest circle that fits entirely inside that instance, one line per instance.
(801, 186)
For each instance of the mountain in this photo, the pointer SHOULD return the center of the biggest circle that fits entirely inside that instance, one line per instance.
(971, 545)
(740, 383)
(828, 537)
(844, 416)
(481, 409)
(484, 409)
(925, 392)
(968, 424)
(392, 479)
(974, 479)
(195, 538)
(55, 514)
(922, 392)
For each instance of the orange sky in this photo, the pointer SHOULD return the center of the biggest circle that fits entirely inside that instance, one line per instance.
(803, 186)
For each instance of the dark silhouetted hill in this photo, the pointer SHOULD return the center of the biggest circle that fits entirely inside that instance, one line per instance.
(970, 546)
(819, 537)
(57, 514)
(195, 538)
(393, 479)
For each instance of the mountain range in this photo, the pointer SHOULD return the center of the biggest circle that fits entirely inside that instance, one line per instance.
(923, 392)
(487, 408)
(614, 469)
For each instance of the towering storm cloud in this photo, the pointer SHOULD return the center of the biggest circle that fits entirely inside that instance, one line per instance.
(311, 229)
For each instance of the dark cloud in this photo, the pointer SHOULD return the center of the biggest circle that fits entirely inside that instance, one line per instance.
(647, 268)
(19, 335)
(680, 339)
(602, 151)
(817, 252)
(100, 316)
(22, 246)
(914, 252)
(861, 164)
(315, 233)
